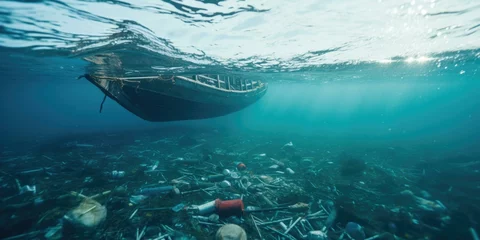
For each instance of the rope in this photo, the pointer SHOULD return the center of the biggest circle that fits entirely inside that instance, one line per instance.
(101, 105)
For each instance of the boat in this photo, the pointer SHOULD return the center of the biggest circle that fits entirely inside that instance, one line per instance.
(165, 98)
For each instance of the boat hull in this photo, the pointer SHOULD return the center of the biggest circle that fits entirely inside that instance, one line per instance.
(174, 99)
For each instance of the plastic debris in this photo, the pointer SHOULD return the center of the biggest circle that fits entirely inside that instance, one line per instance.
(355, 231)
(206, 208)
(231, 232)
(137, 199)
(214, 218)
(225, 184)
(317, 235)
(54, 233)
(88, 180)
(268, 201)
(422, 203)
(178, 207)
(226, 172)
(241, 167)
(26, 188)
(216, 178)
(150, 191)
(118, 174)
(288, 145)
(88, 214)
(229, 207)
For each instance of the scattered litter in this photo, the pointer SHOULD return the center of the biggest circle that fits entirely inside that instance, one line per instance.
(177, 188)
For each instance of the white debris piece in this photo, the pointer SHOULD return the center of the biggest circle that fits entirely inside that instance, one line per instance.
(88, 214)
(28, 188)
(313, 235)
(225, 184)
(274, 166)
(231, 232)
(288, 145)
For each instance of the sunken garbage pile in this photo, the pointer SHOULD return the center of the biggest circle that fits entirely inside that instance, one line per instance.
(195, 191)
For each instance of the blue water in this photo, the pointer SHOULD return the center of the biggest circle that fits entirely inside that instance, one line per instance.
(390, 72)
(357, 74)
(398, 103)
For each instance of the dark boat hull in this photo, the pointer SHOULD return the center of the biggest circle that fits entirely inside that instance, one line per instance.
(175, 99)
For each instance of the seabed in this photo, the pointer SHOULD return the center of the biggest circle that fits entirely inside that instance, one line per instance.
(153, 184)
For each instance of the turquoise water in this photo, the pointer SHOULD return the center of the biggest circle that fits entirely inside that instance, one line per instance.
(387, 72)
(350, 74)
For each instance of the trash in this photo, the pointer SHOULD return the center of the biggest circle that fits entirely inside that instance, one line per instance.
(332, 216)
(279, 164)
(288, 147)
(252, 209)
(225, 184)
(133, 214)
(154, 166)
(54, 233)
(178, 207)
(293, 225)
(116, 174)
(216, 178)
(424, 204)
(206, 208)
(38, 170)
(231, 232)
(213, 218)
(297, 207)
(256, 226)
(355, 231)
(274, 166)
(266, 178)
(89, 214)
(137, 199)
(316, 235)
(306, 162)
(227, 172)
(149, 191)
(259, 156)
(229, 208)
(186, 161)
(140, 234)
(241, 167)
(425, 194)
(88, 180)
(120, 190)
(26, 188)
(268, 201)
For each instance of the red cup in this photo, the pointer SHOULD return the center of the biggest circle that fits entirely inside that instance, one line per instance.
(229, 208)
